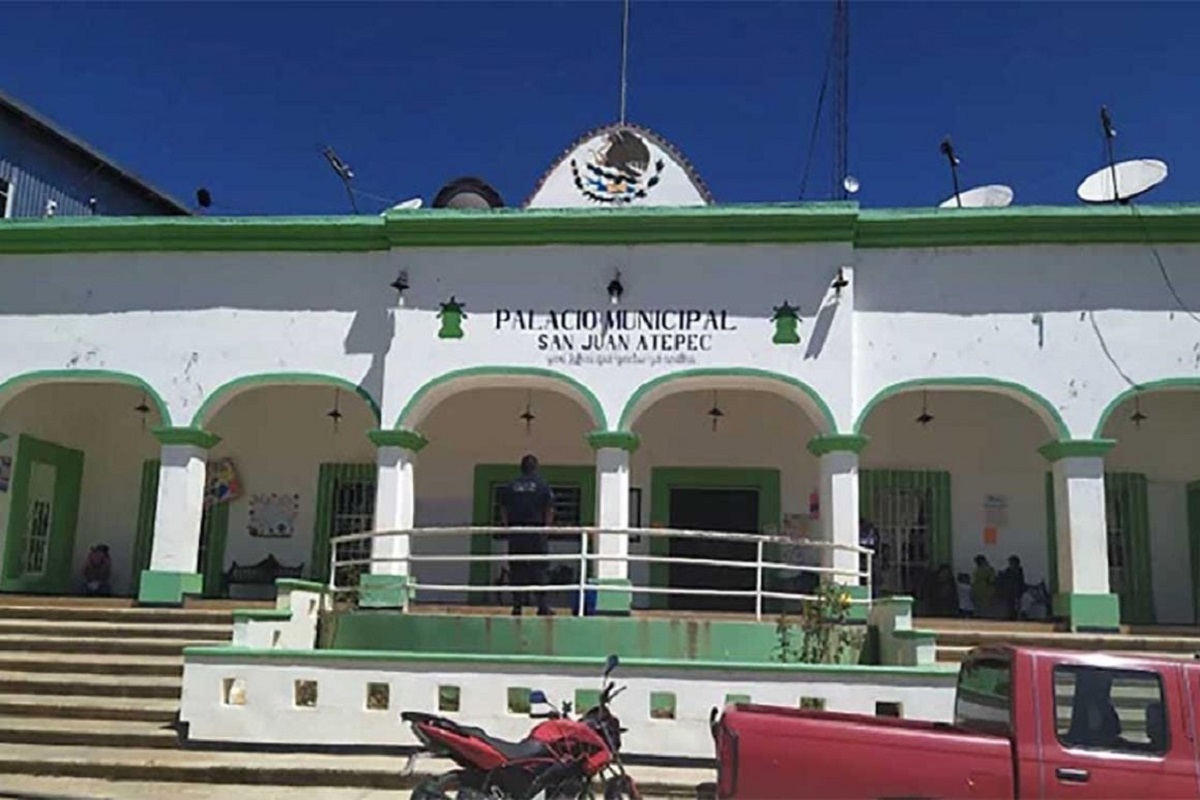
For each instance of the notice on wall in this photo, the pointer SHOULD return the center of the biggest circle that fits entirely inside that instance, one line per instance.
(273, 515)
(619, 337)
(995, 517)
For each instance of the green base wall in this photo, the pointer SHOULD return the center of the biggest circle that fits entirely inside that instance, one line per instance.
(575, 637)
(168, 588)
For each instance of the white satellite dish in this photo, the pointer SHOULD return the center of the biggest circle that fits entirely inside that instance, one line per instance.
(1133, 178)
(850, 184)
(407, 205)
(994, 195)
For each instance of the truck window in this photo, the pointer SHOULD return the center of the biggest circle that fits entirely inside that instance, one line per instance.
(983, 701)
(1116, 710)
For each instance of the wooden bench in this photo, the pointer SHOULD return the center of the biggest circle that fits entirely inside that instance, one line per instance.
(257, 581)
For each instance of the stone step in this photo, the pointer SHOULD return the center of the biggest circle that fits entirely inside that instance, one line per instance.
(75, 644)
(951, 654)
(87, 733)
(271, 769)
(96, 663)
(133, 709)
(89, 685)
(114, 630)
(123, 615)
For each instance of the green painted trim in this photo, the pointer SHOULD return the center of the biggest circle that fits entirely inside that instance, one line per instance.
(409, 440)
(941, 519)
(217, 398)
(1089, 612)
(57, 577)
(297, 585)
(615, 597)
(384, 591)
(1164, 384)
(143, 542)
(1128, 489)
(216, 520)
(615, 440)
(489, 475)
(239, 654)
(168, 588)
(327, 476)
(664, 479)
(189, 436)
(1076, 448)
(86, 375)
(1193, 523)
(262, 615)
(1037, 403)
(1023, 225)
(826, 419)
(3, 437)
(1051, 538)
(585, 395)
(838, 443)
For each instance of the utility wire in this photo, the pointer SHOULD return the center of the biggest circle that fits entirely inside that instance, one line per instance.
(1162, 267)
(812, 137)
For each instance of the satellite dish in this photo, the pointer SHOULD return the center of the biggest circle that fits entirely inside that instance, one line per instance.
(407, 205)
(468, 193)
(995, 195)
(850, 184)
(1132, 178)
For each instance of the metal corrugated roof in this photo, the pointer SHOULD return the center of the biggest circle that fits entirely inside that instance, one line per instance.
(87, 151)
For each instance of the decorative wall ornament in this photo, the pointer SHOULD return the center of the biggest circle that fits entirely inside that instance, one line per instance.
(222, 483)
(273, 515)
(619, 171)
(452, 316)
(787, 323)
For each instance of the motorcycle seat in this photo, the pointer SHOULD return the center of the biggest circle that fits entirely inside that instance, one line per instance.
(513, 751)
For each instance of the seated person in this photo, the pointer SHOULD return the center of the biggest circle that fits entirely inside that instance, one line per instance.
(97, 572)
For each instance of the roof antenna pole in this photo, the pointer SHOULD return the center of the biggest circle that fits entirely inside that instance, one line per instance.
(841, 114)
(624, 58)
(1110, 134)
(947, 149)
(343, 171)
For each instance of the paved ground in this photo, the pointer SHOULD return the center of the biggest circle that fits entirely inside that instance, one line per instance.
(25, 787)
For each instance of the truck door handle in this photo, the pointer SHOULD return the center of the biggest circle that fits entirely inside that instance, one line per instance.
(1072, 775)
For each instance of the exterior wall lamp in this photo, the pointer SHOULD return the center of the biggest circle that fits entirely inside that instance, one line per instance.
(400, 285)
(840, 282)
(615, 289)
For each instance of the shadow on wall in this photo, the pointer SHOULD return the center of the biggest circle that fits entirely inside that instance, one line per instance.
(371, 334)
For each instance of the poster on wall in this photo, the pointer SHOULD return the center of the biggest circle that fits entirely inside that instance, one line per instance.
(222, 483)
(5, 472)
(273, 515)
(995, 517)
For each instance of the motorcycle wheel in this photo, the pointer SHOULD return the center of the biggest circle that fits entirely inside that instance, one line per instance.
(449, 786)
(618, 789)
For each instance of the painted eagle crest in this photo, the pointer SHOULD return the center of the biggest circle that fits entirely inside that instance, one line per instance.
(619, 171)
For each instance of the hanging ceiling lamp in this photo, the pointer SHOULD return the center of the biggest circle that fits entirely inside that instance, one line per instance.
(715, 413)
(1137, 417)
(335, 413)
(925, 417)
(528, 417)
(143, 408)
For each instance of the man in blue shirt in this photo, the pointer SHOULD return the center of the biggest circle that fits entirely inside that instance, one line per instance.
(528, 502)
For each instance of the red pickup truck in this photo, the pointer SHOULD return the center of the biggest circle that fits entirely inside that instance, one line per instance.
(1027, 723)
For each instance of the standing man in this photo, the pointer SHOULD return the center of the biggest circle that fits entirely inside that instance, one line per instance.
(528, 502)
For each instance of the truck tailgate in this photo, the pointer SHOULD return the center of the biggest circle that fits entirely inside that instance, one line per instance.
(769, 753)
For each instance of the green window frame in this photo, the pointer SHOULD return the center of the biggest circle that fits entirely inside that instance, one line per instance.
(939, 519)
(328, 474)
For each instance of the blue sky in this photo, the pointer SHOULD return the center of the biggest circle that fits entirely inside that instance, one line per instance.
(239, 97)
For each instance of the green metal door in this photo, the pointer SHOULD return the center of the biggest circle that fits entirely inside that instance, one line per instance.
(41, 524)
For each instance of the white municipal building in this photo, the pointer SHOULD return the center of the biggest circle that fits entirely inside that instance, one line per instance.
(202, 392)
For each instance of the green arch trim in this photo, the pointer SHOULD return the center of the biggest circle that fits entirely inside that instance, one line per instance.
(1141, 388)
(99, 375)
(826, 415)
(590, 401)
(1036, 401)
(217, 398)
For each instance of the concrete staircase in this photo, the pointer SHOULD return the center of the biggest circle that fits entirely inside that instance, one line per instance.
(956, 637)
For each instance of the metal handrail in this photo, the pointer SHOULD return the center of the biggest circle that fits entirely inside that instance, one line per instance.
(585, 557)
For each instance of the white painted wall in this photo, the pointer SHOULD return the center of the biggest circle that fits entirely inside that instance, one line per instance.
(278, 437)
(988, 444)
(100, 420)
(340, 716)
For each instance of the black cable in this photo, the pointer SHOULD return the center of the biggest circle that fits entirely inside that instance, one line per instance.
(1108, 353)
(812, 137)
(1162, 267)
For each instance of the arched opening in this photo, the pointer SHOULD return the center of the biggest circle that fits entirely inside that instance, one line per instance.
(950, 474)
(729, 457)
(1152, 494)
(477, 436)
(71, 475)
(294, 467)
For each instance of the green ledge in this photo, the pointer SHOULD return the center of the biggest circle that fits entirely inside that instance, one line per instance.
(616, 440)
(1089, 613)
(837, 443)
(238, 654)
(1076, 448)
(262, 614)
(296, 584)
(614, 597)
(384, 591)
(168, 588)
(402, 437)
(189, 436)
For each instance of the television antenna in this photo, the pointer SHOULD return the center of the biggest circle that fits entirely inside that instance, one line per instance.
(994, 195)
(343, 172)
(1120, 181)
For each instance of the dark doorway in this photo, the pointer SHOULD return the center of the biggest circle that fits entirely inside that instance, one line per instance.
(727, 510)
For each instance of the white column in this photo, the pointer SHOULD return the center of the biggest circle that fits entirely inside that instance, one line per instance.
(174, 555)
(395, 498)
(1082, 525)
(613, 449)
(838, 454)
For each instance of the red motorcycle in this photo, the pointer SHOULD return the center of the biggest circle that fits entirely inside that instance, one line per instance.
(560, 759)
